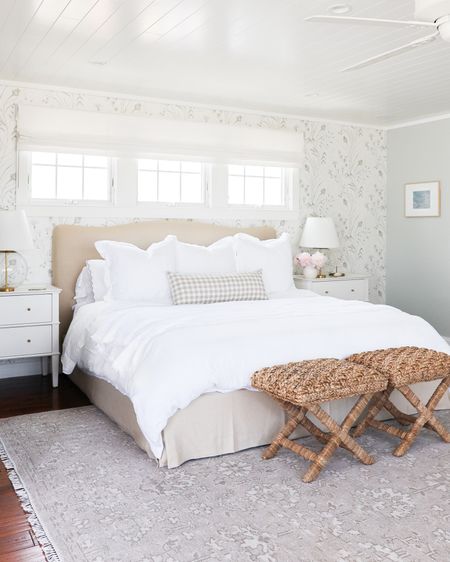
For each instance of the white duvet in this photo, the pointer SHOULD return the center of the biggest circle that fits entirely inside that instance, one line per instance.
(163, 357)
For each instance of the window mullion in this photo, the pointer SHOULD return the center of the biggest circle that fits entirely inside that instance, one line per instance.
(279, 198)
(158, 196)
(65, 181)
(56, 176)
(82, 177)
(264, 188)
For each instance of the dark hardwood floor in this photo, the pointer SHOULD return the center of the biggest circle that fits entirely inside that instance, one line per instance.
(18, 396)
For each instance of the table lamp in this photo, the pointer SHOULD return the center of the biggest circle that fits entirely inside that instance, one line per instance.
(15, 235)
(319, 233)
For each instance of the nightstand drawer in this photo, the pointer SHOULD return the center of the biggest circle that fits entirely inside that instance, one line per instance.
(347, 290)
(25, 340)
(350, 287)
(25, 309)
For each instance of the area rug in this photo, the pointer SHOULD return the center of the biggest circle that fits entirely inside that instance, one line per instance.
(94, 496)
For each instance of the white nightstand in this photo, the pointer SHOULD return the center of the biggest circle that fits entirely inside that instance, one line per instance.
(29, 326)
(350, 287)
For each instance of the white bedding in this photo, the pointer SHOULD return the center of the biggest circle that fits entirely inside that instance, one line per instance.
(163, 357)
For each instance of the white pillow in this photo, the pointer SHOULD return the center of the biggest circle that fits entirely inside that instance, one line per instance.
(139, 275)
(273, 257)
(84, 293)
(101, 283)
(217, 259)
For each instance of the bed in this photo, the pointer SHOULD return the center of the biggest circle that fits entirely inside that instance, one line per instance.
(202, 421)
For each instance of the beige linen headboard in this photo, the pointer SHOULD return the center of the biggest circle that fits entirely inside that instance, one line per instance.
(73, 245)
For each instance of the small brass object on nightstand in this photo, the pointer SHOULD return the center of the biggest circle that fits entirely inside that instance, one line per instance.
(337, 273)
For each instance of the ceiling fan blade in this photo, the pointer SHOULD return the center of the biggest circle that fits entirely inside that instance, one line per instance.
(393, 52)
(370, 21)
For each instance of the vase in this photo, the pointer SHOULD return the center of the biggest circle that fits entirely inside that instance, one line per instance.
(309, 272)
(15, 265)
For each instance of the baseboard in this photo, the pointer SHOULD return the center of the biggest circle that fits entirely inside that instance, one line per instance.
(20, 367)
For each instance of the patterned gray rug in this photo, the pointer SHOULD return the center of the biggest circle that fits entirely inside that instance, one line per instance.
(96, 497)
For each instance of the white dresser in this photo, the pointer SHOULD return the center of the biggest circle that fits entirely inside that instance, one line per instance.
(29, 326)
(350, 287)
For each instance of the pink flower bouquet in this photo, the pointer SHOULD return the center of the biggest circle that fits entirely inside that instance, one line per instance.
(311, 264)
(304, 260)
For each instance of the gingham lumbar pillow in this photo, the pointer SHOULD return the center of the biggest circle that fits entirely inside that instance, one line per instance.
(208, 289)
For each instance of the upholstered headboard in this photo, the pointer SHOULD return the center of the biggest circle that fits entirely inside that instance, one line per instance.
(73, 245)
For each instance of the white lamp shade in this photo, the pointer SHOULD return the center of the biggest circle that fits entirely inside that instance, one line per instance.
(15, 232)
(319, 232)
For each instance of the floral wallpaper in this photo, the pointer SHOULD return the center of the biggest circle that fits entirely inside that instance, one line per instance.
(344, 175)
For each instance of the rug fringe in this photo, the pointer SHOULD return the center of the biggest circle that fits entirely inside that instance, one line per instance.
(41, 536)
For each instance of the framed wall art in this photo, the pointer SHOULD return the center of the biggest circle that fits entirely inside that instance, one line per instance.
(422, 199)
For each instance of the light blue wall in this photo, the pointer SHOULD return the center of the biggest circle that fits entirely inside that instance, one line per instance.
(418, 249)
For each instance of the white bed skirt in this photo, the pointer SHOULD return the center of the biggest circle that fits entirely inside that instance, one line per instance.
(216, 423)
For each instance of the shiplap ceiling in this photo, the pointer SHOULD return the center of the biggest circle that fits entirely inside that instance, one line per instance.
(255, 54)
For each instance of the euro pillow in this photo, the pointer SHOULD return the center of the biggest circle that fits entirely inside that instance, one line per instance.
(209, 289)
(139, 275)
(216, 259)
(273, 257)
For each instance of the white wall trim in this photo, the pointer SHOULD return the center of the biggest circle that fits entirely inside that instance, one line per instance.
(263, 113)
(447, 339)
(158, 211)
(419, 121)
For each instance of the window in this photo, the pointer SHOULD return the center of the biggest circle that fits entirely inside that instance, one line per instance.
(258, 186)
(147, 185)
(171, 181)
(70, 177)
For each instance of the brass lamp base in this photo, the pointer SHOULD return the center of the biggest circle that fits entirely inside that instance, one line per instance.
(7, 288)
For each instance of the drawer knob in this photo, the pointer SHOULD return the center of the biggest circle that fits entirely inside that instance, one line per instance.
(326, 292)
(353, 290)
(28, 341)
(29, 309)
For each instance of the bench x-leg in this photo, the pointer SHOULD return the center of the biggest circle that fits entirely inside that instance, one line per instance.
(425, 417)
(338, 435)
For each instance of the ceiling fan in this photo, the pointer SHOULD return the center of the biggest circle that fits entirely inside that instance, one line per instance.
(431, 14)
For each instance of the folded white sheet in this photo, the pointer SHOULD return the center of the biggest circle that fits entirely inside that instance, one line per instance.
(163, 357)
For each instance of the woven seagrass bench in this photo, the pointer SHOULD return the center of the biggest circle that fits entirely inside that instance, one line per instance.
(405, 366)
(301, 387)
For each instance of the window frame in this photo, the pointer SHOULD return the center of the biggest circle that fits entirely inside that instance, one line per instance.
(205, 175)
(124, 205)
(288, 179)
(25, 165)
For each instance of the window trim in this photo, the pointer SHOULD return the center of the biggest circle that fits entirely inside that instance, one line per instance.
(25, 165)
(205, 175)
(288, 180)
(124, 192)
